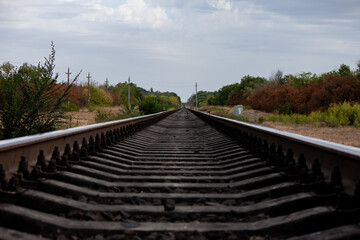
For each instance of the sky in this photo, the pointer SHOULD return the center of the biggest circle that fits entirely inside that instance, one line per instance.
(169, 45)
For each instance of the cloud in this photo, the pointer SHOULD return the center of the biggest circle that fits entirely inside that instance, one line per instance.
(139, 13)
(220, 4)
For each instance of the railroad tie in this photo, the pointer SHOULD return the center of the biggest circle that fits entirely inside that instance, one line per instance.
(186, 176)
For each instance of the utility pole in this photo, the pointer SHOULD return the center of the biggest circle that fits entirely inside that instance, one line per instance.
(129, 92)
(88, 77)
(196, 94)
(68, 74)
(106, 83)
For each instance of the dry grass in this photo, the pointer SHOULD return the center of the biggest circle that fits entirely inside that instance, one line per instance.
(344, 135)
(85, 117)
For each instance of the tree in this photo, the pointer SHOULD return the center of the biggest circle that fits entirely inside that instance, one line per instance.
(249, 82)
(149, 105)
(30, 98)
(344, 70)
(277, 78)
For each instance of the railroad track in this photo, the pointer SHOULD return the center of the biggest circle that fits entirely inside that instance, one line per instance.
(179, 175)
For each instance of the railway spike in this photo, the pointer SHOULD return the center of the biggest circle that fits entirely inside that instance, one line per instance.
(290, 157)
(23, 168)
(127, 131)
(265, 151)
(131, 128)
(51, 166)
(64, 161)
(291, 168)
(316, 171)
(304, 176)
(92, 147)
(3, 182)
(14, 184)
(103, 141)
(272, 154)
(97, 142)
(336, 178)
(75, 156)
(302, 163)
(36, 172)
(84, 142)
(280, 158)
(67, 151)
(116, 135)
(41, 160)
(56, 153)
(259, 146)
(108, 139)
(83, 152)
(357, 193)
(111, 135)
(76, 147)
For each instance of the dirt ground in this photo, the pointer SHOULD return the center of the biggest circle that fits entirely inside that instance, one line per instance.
(85, 117)
(344, 135)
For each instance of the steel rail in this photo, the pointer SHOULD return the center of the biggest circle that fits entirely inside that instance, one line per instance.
(11, 150)
(329, 154)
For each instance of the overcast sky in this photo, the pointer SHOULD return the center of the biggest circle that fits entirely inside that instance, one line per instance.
(171, 44)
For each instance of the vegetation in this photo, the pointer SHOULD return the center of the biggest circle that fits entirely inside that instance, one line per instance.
(97, 96)
(337, 115)
(118, 96)
(104, 116)
(331, 97)
(30, 98)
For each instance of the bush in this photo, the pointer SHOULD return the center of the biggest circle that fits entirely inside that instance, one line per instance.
(30, 98)
(337, 115)
(98, 96)
(149, 105)
(71, 107)
(302, 99)
(344, 114)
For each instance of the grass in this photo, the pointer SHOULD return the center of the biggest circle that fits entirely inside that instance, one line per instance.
(337, 115)
(224, 112)
(104, 116)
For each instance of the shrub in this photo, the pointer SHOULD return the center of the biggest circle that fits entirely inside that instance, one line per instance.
(344, 114)
(98, 96)
(261, 119)
(72, 107)
(30, 98)
(149, 105)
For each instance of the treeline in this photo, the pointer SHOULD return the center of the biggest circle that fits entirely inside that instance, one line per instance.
(117, 95)
(33, 101)
(300, 93)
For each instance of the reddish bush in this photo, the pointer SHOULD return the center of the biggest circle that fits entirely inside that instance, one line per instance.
(302, 99)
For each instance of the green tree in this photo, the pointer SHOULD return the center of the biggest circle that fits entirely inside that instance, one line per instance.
(223, 95)
(249, 82)
(98, 96)
(344, 70)
(30, 98)
(302, 79)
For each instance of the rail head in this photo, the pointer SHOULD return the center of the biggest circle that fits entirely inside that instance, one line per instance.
(13, 143)
(11, 150)
(330, 154)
